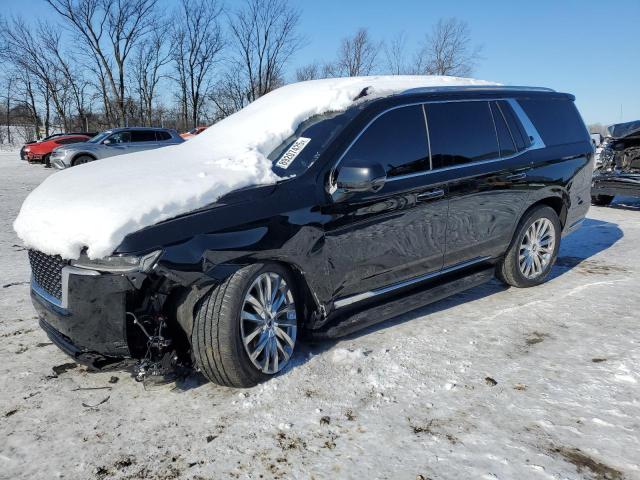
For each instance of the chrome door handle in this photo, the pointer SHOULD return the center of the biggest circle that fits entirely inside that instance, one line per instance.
(515, 177)
(431, 195)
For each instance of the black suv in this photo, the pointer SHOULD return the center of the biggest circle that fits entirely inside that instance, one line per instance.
(394, 203)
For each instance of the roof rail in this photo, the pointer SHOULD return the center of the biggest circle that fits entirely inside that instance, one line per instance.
(462, 88)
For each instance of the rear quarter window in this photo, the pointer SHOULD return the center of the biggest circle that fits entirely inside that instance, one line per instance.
(556, 119)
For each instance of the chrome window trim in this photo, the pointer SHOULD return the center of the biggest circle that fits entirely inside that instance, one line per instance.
(345, 301)
(536, 140)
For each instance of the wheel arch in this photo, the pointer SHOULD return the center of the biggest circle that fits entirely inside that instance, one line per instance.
(559, 205)
(82, 154)
(186, 300)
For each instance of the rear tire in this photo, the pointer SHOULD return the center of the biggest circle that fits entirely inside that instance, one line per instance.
(82, 159)
(533, 250)
(224, 320)
(601, 200)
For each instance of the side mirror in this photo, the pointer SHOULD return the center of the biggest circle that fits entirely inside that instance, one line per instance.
(107, 142)
(354, 178)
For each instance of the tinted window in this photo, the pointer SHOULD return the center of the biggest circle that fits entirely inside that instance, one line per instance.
(120, 137)
(518, 132)
(302, 149)
(461, 132)
(397, 140)
(143, 136)
(161, 136)
(556, 119)
(505, 140)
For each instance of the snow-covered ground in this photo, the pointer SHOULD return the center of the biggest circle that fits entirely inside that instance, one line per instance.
(540, 383)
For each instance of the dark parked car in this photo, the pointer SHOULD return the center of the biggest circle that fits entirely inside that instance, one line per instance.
(618, 168)
(390, 205)
(110, 143)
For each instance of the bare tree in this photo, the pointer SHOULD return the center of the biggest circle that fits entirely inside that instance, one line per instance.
(197, 43)
(231, 94)
(28, 51)
(310, 71)
(110, 29)
(395, 52)
(150, 57)
(264, 39)
(357, 56)
(448, 50)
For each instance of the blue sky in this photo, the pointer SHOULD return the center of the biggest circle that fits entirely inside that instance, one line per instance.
(587, 48)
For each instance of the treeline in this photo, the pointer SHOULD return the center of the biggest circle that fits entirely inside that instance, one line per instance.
(107, 63)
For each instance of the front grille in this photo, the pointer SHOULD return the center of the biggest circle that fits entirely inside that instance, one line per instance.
(47, 272)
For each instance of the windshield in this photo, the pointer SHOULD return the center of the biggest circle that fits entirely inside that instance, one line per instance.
(298, 152)
(99, 137)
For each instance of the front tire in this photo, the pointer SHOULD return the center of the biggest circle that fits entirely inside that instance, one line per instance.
(81, 160)
(533, 250)
(245, 329)
(601, 200)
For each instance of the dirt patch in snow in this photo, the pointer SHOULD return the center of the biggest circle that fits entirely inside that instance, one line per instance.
(535, 337)
(589, 267)
(585, 464)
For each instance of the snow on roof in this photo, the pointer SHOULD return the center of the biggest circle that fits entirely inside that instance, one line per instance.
(97, 204)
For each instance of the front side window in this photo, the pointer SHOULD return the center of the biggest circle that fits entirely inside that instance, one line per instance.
(162, 136)
(461, 132)
(120, 137)
(397, 140)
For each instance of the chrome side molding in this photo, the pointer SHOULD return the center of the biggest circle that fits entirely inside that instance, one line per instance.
(345, 301)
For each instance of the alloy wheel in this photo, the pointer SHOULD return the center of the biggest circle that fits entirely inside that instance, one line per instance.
(536, 248)
(268, 323)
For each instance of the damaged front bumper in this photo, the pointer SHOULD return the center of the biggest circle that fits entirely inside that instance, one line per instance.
(88, 322)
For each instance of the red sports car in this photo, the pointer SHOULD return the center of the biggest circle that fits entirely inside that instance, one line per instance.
(40, 151)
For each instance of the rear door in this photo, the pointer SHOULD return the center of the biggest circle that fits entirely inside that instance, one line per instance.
(143, 140)
(474, 149)
(375, 240)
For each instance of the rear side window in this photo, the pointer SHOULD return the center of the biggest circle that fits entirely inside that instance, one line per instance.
(505, 139)
(143, 136)
(162, 136)
(397, 140)
(520, 136)
(556, 119)
(461, 132)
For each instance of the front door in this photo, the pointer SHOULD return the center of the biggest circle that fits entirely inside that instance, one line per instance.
(376, 240)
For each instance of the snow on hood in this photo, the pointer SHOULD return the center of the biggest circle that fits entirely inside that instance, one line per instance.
(97, 204)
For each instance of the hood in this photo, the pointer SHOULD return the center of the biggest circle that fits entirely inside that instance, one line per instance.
(623, 130)
(97, 204)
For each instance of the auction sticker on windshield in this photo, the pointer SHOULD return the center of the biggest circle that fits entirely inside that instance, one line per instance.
(291, 154)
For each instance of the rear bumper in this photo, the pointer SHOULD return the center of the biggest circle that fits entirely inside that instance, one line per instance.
(616, 184)
(90, 322)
